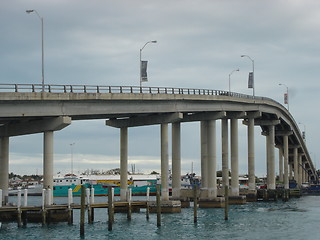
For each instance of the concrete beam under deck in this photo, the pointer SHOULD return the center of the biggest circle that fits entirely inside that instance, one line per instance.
(34, 126)
(204, 116)
(145, 120)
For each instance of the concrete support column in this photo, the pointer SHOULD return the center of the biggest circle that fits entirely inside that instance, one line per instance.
(4, 168)
(176, 160)
(225, 154)
(295, 164)
(123, 163)
(212, 160)
(300, 170)
(204, 154)
(234, 158)
(271, 176)
(290, 171)
(285, 162)
(280, 164)
(303, 173)
(251, 168)
(48, 160)
(164, 162)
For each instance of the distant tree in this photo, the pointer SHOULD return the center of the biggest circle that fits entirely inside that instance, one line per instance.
(13, 175)
(154, 172)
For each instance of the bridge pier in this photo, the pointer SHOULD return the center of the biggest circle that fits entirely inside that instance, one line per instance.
(285, 162)
(204, 158)
(176, 160)
(271, 178)
(212, 159)
(234, 158)
(123, 163)
(48, 161)
(4, 168)
(300, 170)
(251, 167)
(295, 164)
(225, 153)
(280, 148)
(164, 163)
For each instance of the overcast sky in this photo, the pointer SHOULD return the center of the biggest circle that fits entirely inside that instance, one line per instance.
(199, 44)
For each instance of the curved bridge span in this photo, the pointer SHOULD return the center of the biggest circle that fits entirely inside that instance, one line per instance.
(26, 109)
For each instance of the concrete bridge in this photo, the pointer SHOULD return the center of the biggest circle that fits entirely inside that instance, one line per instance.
(26, 109)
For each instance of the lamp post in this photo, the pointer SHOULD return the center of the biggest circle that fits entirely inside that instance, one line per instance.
(236, 70)
(154, 41)
(304, 131)
(41, 19)
(71, 148)
(252, 72)
(286, 96)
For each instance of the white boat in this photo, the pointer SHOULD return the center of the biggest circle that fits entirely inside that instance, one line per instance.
(34, 189)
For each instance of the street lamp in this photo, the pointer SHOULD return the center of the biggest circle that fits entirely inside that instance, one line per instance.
(236, 70)
(304, 131)
(71, 147)
(154, 41)
(251, 75)
(286, 95)
(41, 18)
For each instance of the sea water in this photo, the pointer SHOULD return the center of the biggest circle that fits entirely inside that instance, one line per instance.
(296, 219)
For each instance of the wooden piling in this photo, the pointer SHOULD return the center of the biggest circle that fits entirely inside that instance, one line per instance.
(19, 217)
(24, 218)
(44, 211)
(195, 203)
(25, 198)
(226, 203)
(129, 192)
(147, 204)
(44, 216)
(70, 211)
(82, 211)
(110, 209)
(158, 206)
(89, 206)
(70, 216)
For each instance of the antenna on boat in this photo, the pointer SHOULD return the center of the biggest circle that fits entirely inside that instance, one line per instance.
(71, 147)
(191, 167)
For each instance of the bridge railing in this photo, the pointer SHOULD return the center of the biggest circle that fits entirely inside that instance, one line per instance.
(120, 89)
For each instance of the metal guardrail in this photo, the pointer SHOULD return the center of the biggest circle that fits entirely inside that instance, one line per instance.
(119, 89)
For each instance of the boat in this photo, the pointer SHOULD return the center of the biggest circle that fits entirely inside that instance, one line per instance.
(100, 183)
(312, 189)
(34, 189)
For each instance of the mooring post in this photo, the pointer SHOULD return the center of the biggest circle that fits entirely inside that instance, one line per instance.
(89, 206)
(49, 197)
(25, 198)
(70, 211)
(44, 215)
(110, 208)
(129, 192)
(158, 206)
(147, 203)
(226, 202)
(82, 211)
(19, 218)
(195, 203)
(92, 202)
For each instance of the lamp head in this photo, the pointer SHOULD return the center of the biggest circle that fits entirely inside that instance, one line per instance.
(154, 41)
(29, 11)
(242, 55)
